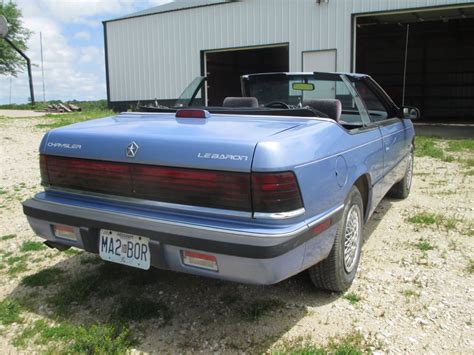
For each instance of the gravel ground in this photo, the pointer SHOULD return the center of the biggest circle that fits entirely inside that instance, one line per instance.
(21, 113)
(413, 293)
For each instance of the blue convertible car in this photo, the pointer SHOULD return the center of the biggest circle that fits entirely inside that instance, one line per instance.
(277, 181)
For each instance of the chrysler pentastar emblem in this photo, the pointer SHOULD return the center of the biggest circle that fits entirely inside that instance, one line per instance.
(132, 150)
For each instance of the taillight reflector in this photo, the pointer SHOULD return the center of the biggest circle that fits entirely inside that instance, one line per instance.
(321, 227)
(200, 260)
(63, 231)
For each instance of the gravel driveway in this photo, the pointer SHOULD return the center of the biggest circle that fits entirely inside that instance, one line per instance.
(413, 293)
(21, 113)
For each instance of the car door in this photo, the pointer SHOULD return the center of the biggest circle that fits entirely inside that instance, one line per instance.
(395, 134)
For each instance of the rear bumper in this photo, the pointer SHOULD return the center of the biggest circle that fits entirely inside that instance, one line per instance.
(242, 255)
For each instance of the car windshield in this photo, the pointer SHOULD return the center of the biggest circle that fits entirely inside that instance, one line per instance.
(295, 88)
(304, 89)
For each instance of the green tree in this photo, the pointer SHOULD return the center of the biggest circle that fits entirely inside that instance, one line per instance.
(11, 63)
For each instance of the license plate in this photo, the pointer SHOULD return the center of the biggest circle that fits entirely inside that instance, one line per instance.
(123, 248)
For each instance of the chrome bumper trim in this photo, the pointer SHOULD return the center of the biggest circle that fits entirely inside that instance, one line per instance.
(279, 215)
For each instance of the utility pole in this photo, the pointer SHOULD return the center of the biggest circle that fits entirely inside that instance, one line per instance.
(42, 65)
(4, 35)
(10, 100)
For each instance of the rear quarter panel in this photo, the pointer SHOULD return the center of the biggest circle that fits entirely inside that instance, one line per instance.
(326, 159)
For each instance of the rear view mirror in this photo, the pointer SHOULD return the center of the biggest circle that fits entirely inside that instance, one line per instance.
(411, 113)
(303, 86)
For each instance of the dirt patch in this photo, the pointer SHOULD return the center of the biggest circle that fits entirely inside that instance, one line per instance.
(413, 292)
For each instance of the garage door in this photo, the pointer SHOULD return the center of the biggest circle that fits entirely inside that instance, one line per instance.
(224, 68)
(424, 58)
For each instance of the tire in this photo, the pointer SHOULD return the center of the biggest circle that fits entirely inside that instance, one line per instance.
(402, 188)
(336, 273)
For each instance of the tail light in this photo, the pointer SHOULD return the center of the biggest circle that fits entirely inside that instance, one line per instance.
(257, 192)
(44, 170)
(275, 192)
(209, 188)
(89, 175)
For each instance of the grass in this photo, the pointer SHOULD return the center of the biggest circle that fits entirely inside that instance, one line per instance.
(59, 120)
(470, 266)
(423, 245)
(410, 293)
(9, 311)
(16, 259)
(427, 218)
(427, 147)
(259, 308)
(352, 297)
(139, 308)
(461, 145)
(8, 237)
(430, 147)
(351, 344)
(6, 254)
(17, 264)
(78, 290)
(77, 339)
(74, 292)
(72, 251)
(31, 246)
(423, 218)
(18, 268)
(43, 278)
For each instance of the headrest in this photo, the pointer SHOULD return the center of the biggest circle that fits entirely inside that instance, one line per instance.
(332, 108)
(240, 102)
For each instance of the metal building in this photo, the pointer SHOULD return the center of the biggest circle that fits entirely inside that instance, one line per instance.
(421, 51)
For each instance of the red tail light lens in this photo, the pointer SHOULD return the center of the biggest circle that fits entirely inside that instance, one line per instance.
(207, 188)
(89, 175)
(257, 192)
(217, 189)
(275, 192)
(44, 170)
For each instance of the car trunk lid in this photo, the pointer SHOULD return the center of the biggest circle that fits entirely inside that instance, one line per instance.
(221, 142)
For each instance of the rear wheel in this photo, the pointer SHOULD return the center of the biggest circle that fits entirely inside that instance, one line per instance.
(402, 188)
(338, 270)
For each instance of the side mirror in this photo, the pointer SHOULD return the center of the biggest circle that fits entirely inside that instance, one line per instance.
(410, 113)
(3, 26)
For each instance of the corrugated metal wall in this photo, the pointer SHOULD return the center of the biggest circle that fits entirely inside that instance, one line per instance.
(156, 56)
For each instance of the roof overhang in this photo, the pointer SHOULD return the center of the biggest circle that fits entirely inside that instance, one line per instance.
(177, 5)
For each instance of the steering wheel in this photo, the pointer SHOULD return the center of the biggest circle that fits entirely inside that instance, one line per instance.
(277, 104)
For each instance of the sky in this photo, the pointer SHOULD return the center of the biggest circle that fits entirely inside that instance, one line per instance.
(73, 48)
